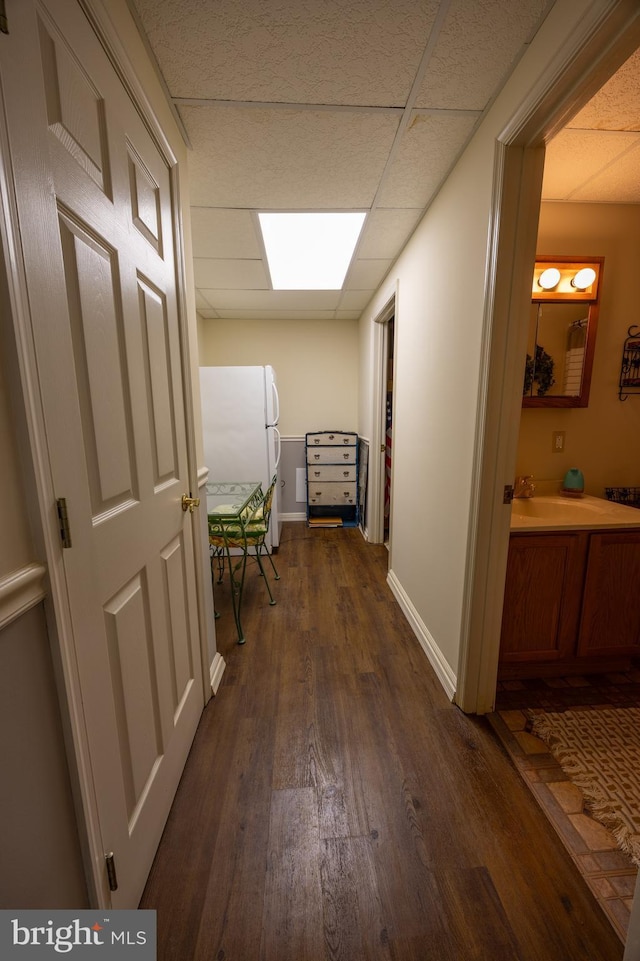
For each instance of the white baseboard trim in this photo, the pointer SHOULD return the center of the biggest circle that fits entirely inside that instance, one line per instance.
(21, 590)
(444, 673)
(216, 671)
(296, 516)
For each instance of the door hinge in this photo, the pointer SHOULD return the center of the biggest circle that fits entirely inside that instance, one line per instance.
(63, 520)
(508, 494)
(110, 862)
(4, 26)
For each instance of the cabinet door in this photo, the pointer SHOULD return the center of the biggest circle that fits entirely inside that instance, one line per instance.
(543, 592)
(611, 612)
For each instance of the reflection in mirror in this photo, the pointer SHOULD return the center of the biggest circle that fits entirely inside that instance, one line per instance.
(561, 338)
(556, 349)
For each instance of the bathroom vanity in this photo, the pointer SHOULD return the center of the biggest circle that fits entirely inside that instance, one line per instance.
(571, 594)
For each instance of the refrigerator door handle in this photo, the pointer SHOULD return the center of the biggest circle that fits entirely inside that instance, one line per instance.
(276, 403)
(278, 445)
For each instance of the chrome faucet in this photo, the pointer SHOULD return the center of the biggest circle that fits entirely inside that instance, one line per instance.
(524, 486)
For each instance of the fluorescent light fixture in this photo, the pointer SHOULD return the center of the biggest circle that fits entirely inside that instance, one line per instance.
(310, 251)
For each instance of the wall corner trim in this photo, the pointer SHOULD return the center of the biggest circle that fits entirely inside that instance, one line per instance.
(21, 590)
(216, 671)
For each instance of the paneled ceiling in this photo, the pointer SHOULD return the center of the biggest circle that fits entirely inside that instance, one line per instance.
(596, 158)
(358, 105)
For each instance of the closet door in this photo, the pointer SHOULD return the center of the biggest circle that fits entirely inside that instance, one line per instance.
(93, 192)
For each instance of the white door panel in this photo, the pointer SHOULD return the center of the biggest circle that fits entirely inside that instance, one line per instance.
(94, 200)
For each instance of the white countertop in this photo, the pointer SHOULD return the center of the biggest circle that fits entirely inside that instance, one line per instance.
(557, 512)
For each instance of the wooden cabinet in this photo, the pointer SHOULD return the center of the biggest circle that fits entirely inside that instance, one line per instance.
(610, 623)
(542, 601)
(332, 478)
(570, 603)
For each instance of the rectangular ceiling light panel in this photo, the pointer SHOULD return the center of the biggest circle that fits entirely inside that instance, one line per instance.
(310, 251)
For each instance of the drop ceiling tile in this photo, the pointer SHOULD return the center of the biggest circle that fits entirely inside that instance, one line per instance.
(217, 232)
(230, 274)
(200, 301)
(480, 42)
(359, 55)
(616, 106)
(361, 52)
(574, 157)
(386, 231)
(618, 183)
(355, 300)
(272, 299)
(289, 159)
(367, 274)
(348, 314)
(208, 314)
(427, 151)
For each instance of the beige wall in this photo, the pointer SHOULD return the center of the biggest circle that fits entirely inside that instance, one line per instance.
(441, 329)
(39, 844)
(316, 363)
(601, 439)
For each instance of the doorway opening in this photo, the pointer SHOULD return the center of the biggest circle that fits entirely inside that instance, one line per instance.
(380, 473)
(520, 162)
(388, 428)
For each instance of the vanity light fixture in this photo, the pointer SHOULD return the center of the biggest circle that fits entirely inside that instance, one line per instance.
(556, 279)
(549, 278)
(584, 278)
(563, 321)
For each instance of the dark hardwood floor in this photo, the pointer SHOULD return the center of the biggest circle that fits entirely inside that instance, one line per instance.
(335, 805)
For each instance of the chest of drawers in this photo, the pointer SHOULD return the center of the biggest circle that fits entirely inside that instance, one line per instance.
(332, 478)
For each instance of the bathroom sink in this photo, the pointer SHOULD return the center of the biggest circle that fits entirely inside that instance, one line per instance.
(556, 512)
(555, 508)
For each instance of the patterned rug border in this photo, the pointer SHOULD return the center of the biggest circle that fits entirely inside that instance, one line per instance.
(544, 725)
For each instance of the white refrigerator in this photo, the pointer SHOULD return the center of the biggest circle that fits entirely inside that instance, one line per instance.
(240, 412)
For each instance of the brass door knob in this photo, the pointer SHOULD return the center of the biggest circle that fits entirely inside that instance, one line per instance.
(190, 503)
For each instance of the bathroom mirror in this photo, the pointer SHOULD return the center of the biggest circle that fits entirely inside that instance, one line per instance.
(562, 331)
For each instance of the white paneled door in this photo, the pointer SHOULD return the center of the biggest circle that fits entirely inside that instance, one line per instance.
(95, 215)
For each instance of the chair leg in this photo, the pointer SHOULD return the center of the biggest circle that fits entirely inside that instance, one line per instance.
(262, 574)
(217, 556)
(212, 557)
(277, 576)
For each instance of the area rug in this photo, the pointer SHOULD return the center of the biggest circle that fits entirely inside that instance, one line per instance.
(599, 750)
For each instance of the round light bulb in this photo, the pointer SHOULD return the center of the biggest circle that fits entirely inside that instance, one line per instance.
(549, 278)
(584, 278)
